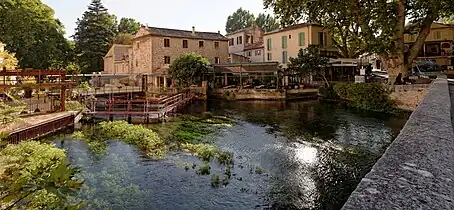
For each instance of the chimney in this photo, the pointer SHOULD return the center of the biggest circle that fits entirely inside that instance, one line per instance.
(193, 30)
(219, 32)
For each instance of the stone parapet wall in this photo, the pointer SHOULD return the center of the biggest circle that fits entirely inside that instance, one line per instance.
(417, 169)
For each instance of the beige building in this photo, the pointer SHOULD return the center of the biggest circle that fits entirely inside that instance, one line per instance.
(117, 60)
(243, 39)
(438, 46)
(255, 52)
(156, 48)
(284, 43)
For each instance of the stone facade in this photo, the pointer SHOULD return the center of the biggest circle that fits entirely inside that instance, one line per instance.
(150, 54)
(242, 39)
(117, 60)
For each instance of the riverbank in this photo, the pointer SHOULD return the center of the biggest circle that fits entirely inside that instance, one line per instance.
(263, 94)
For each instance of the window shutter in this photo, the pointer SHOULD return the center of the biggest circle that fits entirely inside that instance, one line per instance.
(284, 42)
(301, 39)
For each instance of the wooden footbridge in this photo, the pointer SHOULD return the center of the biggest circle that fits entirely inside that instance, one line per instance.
(154, 108)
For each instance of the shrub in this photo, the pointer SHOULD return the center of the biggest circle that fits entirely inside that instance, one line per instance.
(146, 139)
(37, 175)
(368, 96)
(204, 170)
(74, 106)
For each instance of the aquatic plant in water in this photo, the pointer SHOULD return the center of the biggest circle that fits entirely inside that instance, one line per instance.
(215, 181)
(36, 175)
(204, 169)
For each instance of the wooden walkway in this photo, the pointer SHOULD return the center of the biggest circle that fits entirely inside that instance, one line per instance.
(150, 108)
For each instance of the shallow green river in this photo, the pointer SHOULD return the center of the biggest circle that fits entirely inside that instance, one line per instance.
(296, 155)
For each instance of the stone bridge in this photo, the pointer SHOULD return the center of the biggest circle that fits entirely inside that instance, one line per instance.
(417, 169)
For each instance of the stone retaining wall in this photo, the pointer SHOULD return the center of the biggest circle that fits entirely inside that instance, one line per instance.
(417, 170)
(263, 94)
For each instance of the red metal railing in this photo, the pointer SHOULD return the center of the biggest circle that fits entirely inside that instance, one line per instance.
(39, 129)
(159, 107)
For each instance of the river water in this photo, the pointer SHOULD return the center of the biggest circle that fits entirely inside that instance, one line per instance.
(294, 155)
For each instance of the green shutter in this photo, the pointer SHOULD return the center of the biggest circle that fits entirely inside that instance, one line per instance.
(268, 44)
(301, 39)
(284, 42)
(284, 56)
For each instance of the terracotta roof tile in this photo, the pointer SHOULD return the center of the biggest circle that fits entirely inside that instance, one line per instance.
(186, 34)
(257, 45)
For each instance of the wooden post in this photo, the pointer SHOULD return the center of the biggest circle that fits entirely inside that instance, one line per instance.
(63, 98)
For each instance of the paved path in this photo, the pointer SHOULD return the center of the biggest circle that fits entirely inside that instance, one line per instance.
(451, 92)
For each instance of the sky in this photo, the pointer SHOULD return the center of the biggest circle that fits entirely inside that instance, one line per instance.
(205, 15)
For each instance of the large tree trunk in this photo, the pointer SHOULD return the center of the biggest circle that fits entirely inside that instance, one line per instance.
(394, 65)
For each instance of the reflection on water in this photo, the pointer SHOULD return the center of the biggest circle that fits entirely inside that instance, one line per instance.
(313, 156)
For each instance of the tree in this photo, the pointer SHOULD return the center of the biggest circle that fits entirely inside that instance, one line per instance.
(239, 20)
(29, 29)
(188, 67)
(310, 62)
(94, 33)
(267, 22)
(7, 60)
(380, 24)
(128, 26)
(123, 38)
(37, 176)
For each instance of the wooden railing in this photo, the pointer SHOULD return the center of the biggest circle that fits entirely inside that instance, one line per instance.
(39, 129)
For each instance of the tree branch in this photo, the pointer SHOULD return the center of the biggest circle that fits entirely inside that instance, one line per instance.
(423, 33)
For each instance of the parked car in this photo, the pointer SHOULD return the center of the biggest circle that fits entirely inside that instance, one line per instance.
(428, 69)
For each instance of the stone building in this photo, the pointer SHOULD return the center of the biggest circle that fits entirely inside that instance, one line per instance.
(117, 60)
(154, 49)
(284, 43)
(242, 41)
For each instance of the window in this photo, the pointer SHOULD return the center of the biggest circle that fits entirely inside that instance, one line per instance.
(200, 44)
(269, 56)
(217, 60)
(322, 39)
(216, 45)
(138, 45)
(137, 63)
(258, 52)
(185, 43)
(301, 39)
(166, 59)
(166, 42)
(249, 53)
(284, 42)
(231, 42)
(252, 39)
(437, 35)
(268, 44)
(239, 40)
(289, 36)
(284, 56)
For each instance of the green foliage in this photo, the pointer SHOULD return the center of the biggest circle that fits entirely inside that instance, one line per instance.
(146, 139)
(128, 26)
(84, 86)
(225, 158)
(188, 67)
(241, 19)
(29, 29)
(74, 106)
(9, 114)
(367, 96)
(215, 181)
(94, 33)
(309, 61)
(124, 39)
(9, 60)
(267, 22)
(204, 169)
(36, 176)
(204, 151)
(259, 170)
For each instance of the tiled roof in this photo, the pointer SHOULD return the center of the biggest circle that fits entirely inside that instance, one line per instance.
(186, 34)
(292, 27)
(254, 46)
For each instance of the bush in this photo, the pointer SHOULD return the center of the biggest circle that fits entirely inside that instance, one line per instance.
(74, 106)
(37, 175)
(144, 138)
(368, 96)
